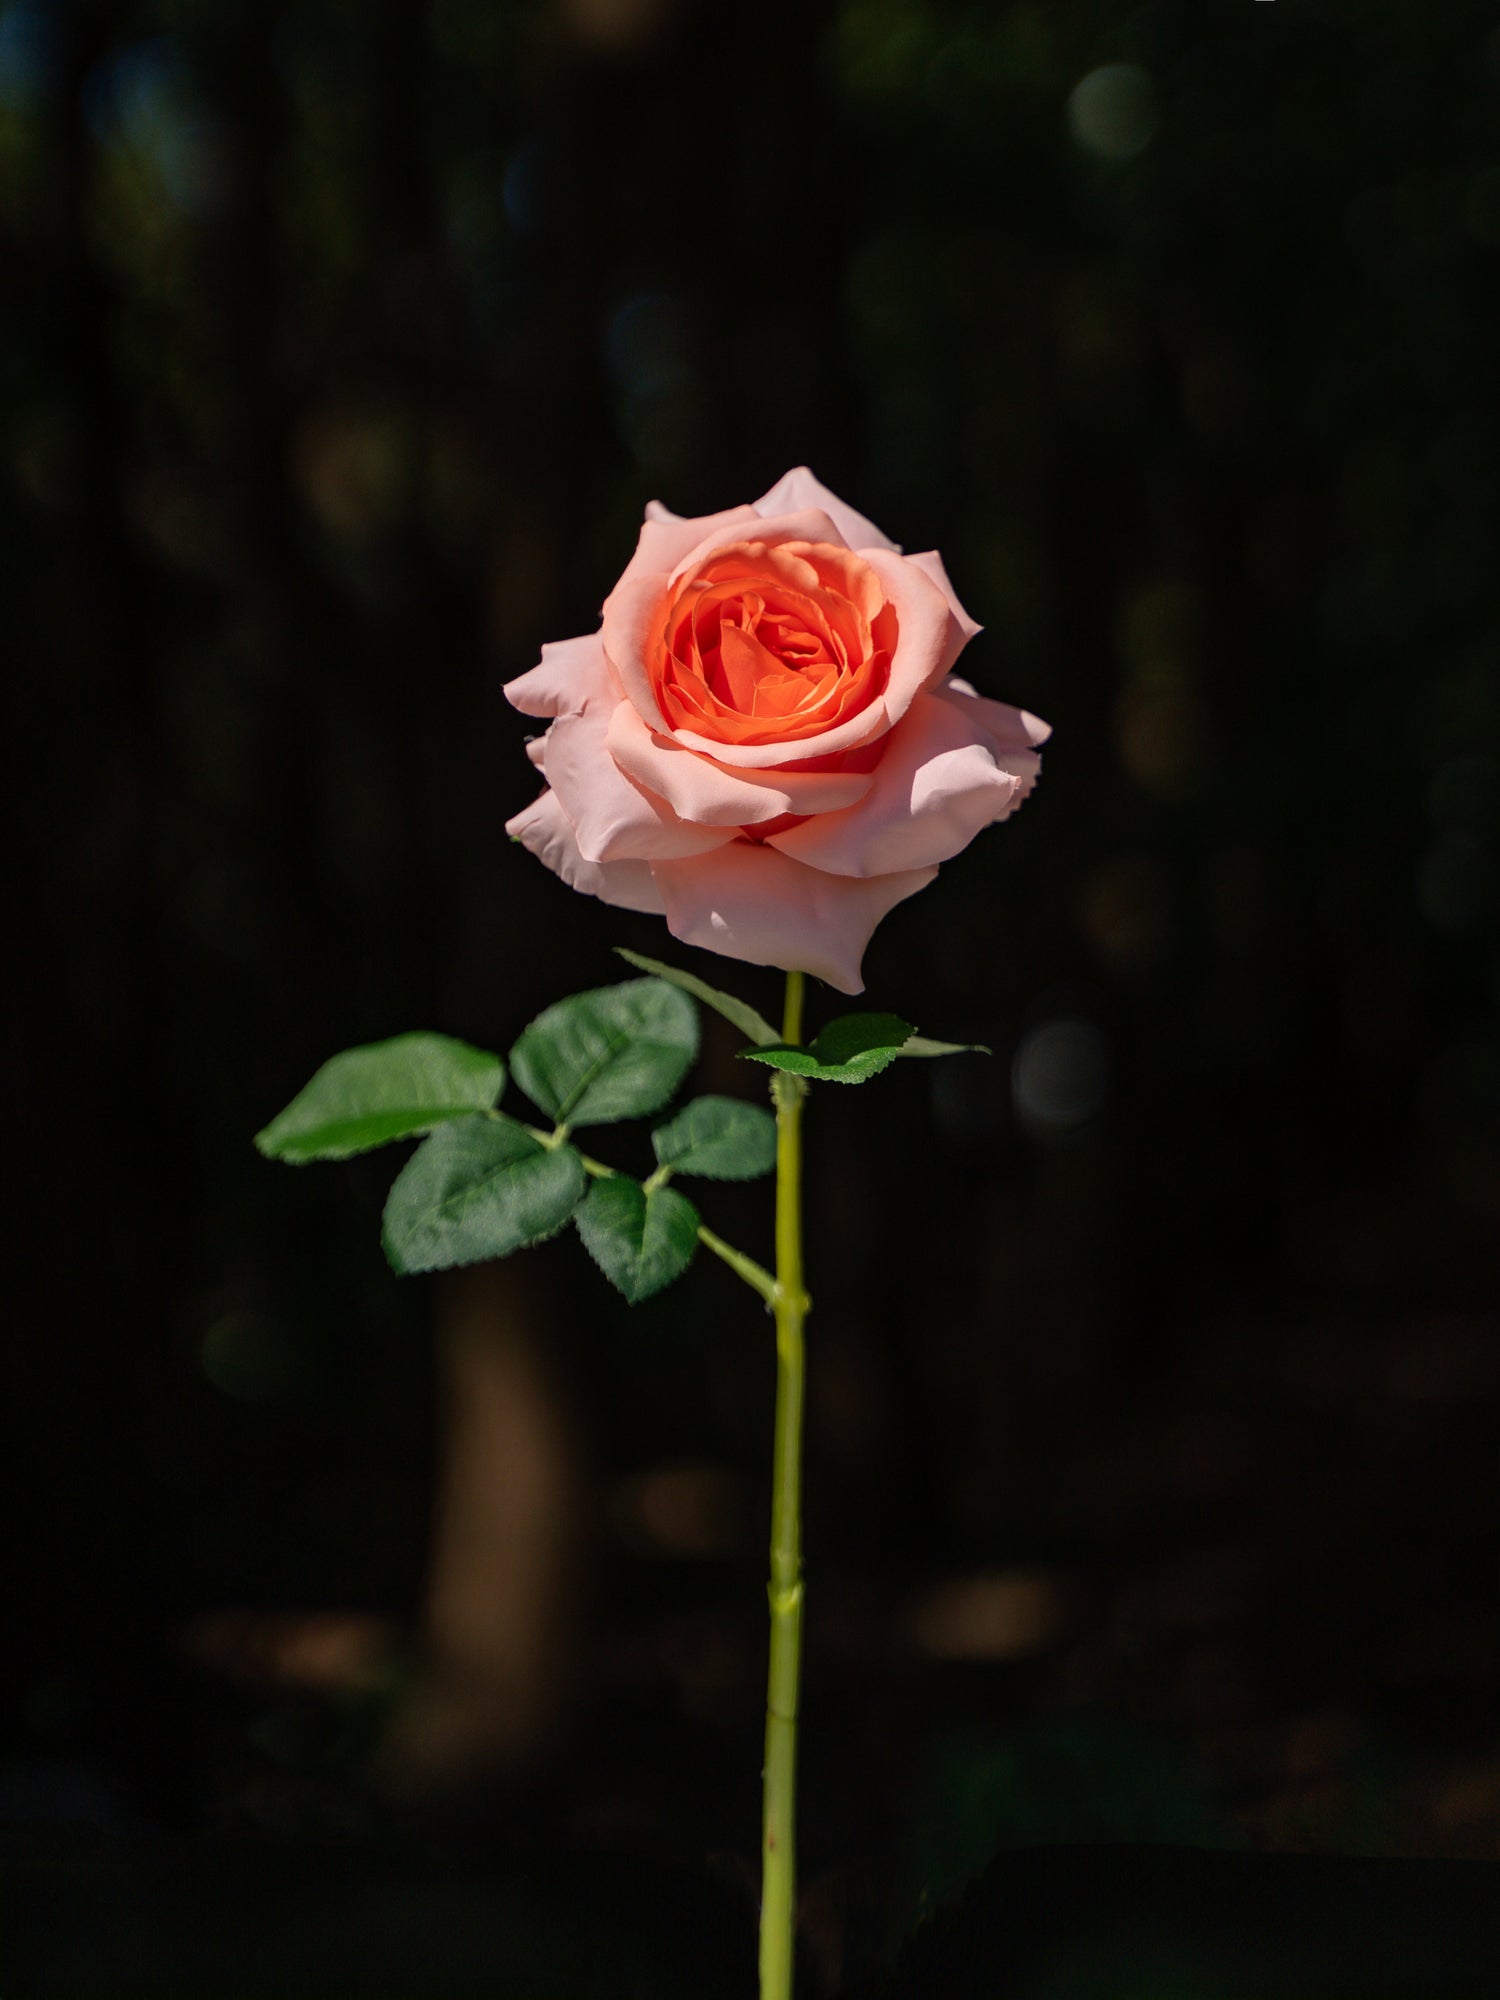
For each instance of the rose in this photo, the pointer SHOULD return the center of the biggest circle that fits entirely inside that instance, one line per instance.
(764, 741)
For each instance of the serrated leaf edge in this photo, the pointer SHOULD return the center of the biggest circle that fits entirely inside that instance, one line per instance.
(440, 1116)
(858, 1069)
(704, 1173)
(403, 1270)
(562, 1116)
(443, 1115)
(637, 1298)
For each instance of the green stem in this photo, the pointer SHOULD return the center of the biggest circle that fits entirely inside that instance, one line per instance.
(778, 1843)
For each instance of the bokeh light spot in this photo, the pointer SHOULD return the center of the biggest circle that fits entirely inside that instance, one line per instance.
(352, 467)
(1060, 1076)
(616, 25)
(1113, 112)
(681, 1510)
(248, 1359)
(1161, 734)
(1003, 1615)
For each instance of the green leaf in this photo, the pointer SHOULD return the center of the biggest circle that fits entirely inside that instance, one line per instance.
(618, 1052)
(480, 1187)
(744, 1016)
(720, 1138)
(851, 1049)
(919, 1045)
(640, 1241)
(369, 1096)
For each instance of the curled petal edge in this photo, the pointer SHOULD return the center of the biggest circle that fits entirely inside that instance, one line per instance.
(708, 793)
(545, 830)
(942, 780)
(573, 674)
(613, 818)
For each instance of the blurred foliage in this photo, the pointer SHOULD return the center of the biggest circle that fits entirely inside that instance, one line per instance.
(340, 345)
(1055, 1783)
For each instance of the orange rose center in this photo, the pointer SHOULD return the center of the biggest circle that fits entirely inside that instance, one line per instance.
(770, 645)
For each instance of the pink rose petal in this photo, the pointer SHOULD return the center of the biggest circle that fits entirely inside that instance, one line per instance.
(922, 617)
(922, 614)
(700, 789)
(940, 781)
(666, 538)
(747, 901)
(870, 722)
(649, 818)
(801, 489)
(961, 627)
(612, 819)
(629, 611)
(1011, 728)
(545, 831)
(807, 524)
(573, 674)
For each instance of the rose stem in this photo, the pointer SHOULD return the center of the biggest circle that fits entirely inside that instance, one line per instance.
(778, 1844)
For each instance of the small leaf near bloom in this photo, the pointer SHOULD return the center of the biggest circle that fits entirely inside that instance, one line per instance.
(480, 1187)
(618, 1052)
(851, 1049)
(370, 1096)
(719, 1139)
(641, 1238)
(765, 742)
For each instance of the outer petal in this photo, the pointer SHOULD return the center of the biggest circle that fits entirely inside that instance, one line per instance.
(941, 779)
(544, 829)
(666, 538)
(612, 819)
(803, 524)
(1011, 728)
(628, 612)
(699, 789)
(745, 757)
(800, 488)
(961, 627)
(573, 674)
(923, 616)
(747, 901)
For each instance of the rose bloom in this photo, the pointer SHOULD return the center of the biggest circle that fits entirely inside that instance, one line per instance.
(764, 742)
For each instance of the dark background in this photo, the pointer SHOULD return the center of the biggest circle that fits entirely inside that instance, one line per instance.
(1156, 1369)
